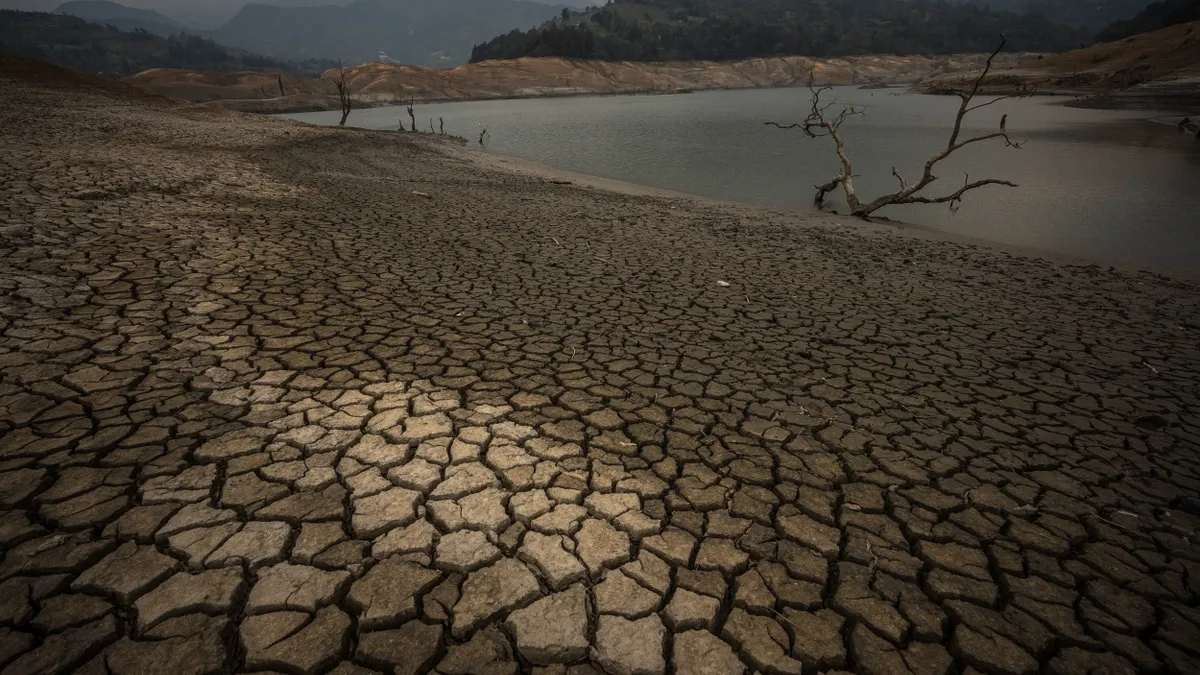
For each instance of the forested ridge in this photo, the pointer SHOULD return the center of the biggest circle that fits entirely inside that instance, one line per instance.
(721, 30)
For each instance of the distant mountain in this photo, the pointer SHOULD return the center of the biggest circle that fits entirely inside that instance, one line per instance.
(103, 50)
(653, 30)
(1156, 16)
(193, 14)
(419, 32)
(119, 16)
(212, 14)
(1091, 15)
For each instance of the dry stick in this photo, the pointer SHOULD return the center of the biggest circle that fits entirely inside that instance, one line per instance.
(343, 89)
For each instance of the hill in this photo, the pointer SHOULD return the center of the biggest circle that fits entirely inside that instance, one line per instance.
(1159, 70)
(1091, 15)
(653, 30)
(1157, 15)
(119, 16)
(387, 83)
(93, 48)
(407, 31)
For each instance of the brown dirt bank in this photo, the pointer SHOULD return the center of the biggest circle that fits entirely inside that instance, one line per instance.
(383, 84)
(1153, 70)
(265, 409)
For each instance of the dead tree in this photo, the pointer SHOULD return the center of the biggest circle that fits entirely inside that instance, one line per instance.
(412, 115)
(343, 90)
(821, 123)
(431, 129)
(441, 127)
(281, 92)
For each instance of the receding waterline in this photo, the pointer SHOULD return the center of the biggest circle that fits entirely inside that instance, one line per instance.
(1110, 186)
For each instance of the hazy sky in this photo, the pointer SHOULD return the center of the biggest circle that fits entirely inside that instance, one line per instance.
(209, 13)
(201, 13)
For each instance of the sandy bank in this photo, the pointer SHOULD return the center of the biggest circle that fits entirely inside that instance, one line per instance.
(387, 84)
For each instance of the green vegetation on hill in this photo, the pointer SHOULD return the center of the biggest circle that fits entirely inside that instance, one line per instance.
(92, 48)
(652, 30)
(1091, 15)
(1156, 16)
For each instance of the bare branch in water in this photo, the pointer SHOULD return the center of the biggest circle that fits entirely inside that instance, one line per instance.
(821, 123)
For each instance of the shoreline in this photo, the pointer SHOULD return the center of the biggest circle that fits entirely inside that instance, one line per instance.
(1091, 99)
(876, 226)
(330, 103)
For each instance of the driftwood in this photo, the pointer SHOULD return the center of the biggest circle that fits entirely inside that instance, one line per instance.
(822, 122)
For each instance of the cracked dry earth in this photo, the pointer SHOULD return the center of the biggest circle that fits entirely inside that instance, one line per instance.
(262, 409)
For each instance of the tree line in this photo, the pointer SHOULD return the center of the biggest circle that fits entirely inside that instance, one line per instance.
(1156, 16)
(659, 30)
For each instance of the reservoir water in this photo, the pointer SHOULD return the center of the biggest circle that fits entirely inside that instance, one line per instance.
(1109, 186)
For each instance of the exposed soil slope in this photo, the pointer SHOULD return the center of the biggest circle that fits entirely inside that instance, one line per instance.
(382, 83)
(1158, 69)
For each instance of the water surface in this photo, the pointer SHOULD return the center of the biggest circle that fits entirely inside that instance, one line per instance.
(1111, 186)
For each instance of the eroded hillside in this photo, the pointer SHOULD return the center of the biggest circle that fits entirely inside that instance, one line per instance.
(382, 83)
(1160, 69)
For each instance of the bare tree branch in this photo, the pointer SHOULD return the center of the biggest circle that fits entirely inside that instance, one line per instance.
(343, 90)
(821, 123)
(777, 125)
(825, 189)
(957, 196)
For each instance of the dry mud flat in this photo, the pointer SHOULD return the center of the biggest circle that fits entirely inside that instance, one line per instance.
(263, 409)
